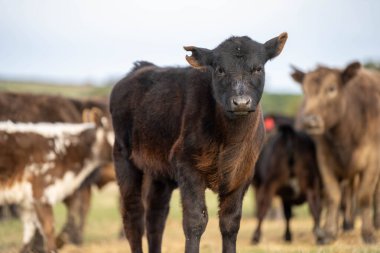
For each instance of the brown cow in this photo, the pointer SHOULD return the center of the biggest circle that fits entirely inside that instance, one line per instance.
(20, 107)
(342, 111)
(43, 163)
(287, 167)
(196, 128)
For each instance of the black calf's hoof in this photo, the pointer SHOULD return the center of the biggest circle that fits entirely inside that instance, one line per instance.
(324, 237)
(369, 237)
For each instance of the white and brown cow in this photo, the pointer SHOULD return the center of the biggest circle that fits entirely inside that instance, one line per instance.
(22, 107)
(43, 163)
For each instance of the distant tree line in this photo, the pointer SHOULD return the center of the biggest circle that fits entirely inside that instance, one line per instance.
(372, 65)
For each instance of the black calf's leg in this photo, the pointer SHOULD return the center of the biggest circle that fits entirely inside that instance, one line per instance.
(192, 188)
(288, 215)
(158, 199)
(130, 183)
(230, 208)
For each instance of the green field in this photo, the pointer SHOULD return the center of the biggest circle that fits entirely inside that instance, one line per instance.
(68, 90)
(271, 103)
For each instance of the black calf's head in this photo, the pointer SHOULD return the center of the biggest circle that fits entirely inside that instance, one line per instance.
(237, 67)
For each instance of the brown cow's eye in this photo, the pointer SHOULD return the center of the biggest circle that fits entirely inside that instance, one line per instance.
(331, 89)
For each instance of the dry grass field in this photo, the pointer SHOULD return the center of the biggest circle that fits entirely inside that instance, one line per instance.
(104, 223)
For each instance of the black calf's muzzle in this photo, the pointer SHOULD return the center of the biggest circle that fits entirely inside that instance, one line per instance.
(241, 105)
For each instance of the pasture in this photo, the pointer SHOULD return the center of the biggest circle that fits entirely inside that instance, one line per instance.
(103, 225)
(272, 103)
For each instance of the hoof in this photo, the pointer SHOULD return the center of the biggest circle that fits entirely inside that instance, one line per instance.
(255, 239)
(288, 237)
(61, 240)
(348, 226)
(369, 237)
(324, 237)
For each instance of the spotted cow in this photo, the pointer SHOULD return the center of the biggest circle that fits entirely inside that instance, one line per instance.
(43, 163)
(24, 107)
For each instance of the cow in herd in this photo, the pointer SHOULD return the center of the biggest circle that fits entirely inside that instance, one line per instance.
(287, 167)
(194, 128)
(341, 110)
(41, 108)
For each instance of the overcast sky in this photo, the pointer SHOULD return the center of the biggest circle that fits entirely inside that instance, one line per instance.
(93, 40)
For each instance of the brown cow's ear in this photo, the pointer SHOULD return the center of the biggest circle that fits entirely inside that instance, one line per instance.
(350, 71)
(297, 74)
(274, 46)
(200, 58)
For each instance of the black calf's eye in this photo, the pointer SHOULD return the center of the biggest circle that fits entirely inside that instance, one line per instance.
(220, 71)
(257, 70)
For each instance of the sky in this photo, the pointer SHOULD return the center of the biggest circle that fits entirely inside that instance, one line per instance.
(94, 41)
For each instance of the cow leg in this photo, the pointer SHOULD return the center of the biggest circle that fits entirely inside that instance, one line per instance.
(332, 193)
(195, 217)
(158, 199)
(32, 239)
(77, 206)
(130, 184)
(46, 220)
(376, 216)
(365, 198)
(2, 212)
(315, 207)
(348, 206)
(230, 208)
(13, 209)
(287, 207)
(264, 196)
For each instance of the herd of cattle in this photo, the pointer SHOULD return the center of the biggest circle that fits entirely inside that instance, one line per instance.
(196, 128)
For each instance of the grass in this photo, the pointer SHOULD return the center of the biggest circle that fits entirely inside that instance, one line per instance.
(103, 223)
(103, 226)
(68, 90)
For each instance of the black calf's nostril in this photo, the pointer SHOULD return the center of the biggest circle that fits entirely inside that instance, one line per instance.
(234, 101)
(249, 101)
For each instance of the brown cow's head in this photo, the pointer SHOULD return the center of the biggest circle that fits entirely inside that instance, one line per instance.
(237, 67)
(324, 101)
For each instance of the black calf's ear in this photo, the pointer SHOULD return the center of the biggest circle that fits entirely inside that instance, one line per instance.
(200, 57)
(274, 46)
(297, 74)
(350, 71)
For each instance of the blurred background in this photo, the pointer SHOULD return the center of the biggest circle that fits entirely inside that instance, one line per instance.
(94, 43)
(81, 48)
